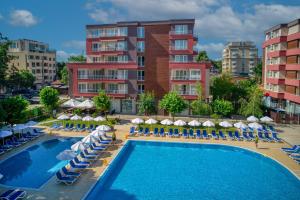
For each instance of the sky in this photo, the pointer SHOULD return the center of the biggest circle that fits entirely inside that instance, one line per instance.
(61, 23)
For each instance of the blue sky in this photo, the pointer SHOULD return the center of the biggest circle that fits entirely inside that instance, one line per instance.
(61, 23)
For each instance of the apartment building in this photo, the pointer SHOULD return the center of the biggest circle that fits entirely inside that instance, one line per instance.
(36, 57)
(129, 58)
(239, 58)
(281, 71)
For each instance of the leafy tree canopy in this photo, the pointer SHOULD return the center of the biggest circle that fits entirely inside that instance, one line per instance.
(18, 79)
(79, 58)
(173, 103)
(222, 86)
(4, 58)
(49, 97)
(202, 56)
(257, 70)
(222, 107)
(102, 102)
(146, 103)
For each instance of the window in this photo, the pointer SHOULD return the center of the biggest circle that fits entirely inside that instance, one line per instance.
(123, 58)
(30, 57)
(181, 29)
(122, 46)
(140, 75)
(33, 64)
(33, 71)
(94, 33)
(82, 87)
(95, 47)
(181, 58)
(140, 32)
(180, 75)
(37, 57)
(195, 74)
(141, 88)
(44, 57)
(141, 61)
(14, 45)
(37, 64)
(180, 44)
(123, 31)
(112, 88)
(140, 46)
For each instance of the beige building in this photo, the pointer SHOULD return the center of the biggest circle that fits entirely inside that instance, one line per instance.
(239, 58)
(37, 58)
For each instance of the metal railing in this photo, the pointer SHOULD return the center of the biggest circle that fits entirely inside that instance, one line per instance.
(183, 32)
(185, 78)
(101, 77)
(107, 91)
(117, 91)
(187, 92)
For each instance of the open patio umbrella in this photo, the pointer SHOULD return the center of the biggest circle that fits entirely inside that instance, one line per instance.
(66, 155)
(179, 123)
(166, 122)
(194, 123)
(4, 134)
(95, 133)
(208, 123)
(87, 104)
(63, 117)
(225, 124)
(78, 146)
(255, 125)
(151, 121)
(252, 119)
(99, 119)
(19, 127)
(89, 139)
(87, 119)
(137, 121)
(31, 123)
(240, 125)
(72, 103)
(266, 119)
(76, 117)
(103, 128)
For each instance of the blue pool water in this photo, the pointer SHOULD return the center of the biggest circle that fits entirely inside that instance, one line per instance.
(34, 166)
(158, 170)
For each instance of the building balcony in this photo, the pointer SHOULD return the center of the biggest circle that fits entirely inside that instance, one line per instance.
(188, 94)
(279, 53)
(177, 35)
(179, 51)
(294, 36)
(274, 41)
(109, 92)
(291, 52)
(190, 65)
(102, 78)
(274, 94)
(116, 91)
(275, 81)
(103, 65)
(292, 97)
(292, 66)
(185, 79)
(278, 67)
(293, 82)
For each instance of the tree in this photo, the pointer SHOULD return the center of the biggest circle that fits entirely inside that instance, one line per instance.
(222, 107)
(146, 103)
(217, 64)
(65, 75)
(202, 56)
(257, 71)
(173, 103)
(221, 87)
(199, 107)
(49, 98)
(26, 79)
(60, 66)
(4, 58)
(2, 114)
(79, 58)
(102, 102)
(14, 108)
(252, 104)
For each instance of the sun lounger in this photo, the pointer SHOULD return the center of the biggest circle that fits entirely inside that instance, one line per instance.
(77, 127)
(276, 138)
(155, 132)
(132, 130)
(214, 135)
(71, 127)
(290, 149)
(141, 131)
(95, 147)
(87, 157)
(90, 128)
(13, 194)
(83, 128)
(76, 166)
(271, 128)
(198, 134)
(69, 173)
(251, 136)
(170, 133)
(68, 180)
(237, 136)
(147, 131)
(230, 135)
(54, 126)
(204, 133)
(176, 132)
(261, 137)
(191, 133)
(221, 134)
(268, 137)
(86, 152)
(297, 150)
(67, 127)
(79, 162)
(12, 143)
(184, 133)
(246, 137)
(162, 132)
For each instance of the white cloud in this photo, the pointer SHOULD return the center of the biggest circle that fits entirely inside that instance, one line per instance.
(63, 56)
(212, 49)
(75, 44)
(22, 18)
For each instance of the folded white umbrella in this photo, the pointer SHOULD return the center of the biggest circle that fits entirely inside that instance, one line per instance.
(103, 128)
(166, 122)
(137, 121)
(66, 155)
(89, 139)
(179, 123)
(4, 134)
(99, 119)
(266, 119)
(252, 119)
(225, 124)
(255, 125)
(86, 104)
(194, 123)
(87, 118)
(72, 103)
(31, 123)
(76, 117)
(151, 121)
(78, 146)
(63, 117)
(208, 124)
(240, 125)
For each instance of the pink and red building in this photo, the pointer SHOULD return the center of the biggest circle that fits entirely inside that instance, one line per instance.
(281, 71)
(129, 58)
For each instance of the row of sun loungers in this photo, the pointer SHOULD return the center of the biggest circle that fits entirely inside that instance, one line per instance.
(17, 140)
(82, 161)
(13, 194)
(71, 127)
(293, 152)
(248, 136)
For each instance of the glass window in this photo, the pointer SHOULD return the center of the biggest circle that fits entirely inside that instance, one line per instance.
(95, 47)
(123, 58)
(181, 58)
(122, 46)
(140, 46)
(141, 75)
(123, 31)
(94, 33)
(126, 106)
(141, 88)
(140, 32)
(181, 29)
(180, 44)
(141, 61)
(195, 74)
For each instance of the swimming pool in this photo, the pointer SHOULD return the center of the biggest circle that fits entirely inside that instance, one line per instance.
(34, 166)
(161, 170)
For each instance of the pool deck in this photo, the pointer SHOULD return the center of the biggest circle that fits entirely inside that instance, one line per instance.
(53, 190)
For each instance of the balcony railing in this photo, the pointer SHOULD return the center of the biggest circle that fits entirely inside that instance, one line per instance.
(101, 77)
(178, 48)
(183, 32)
(117, 91)
(107, 91)
(182, 78)
(187, 92)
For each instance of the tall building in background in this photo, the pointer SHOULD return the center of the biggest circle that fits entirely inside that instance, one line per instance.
(239, 58)
(37, 58)
(281, 71)
(129, 58)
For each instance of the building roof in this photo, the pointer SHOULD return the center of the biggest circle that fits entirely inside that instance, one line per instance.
(137, 23)
(292, 23)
